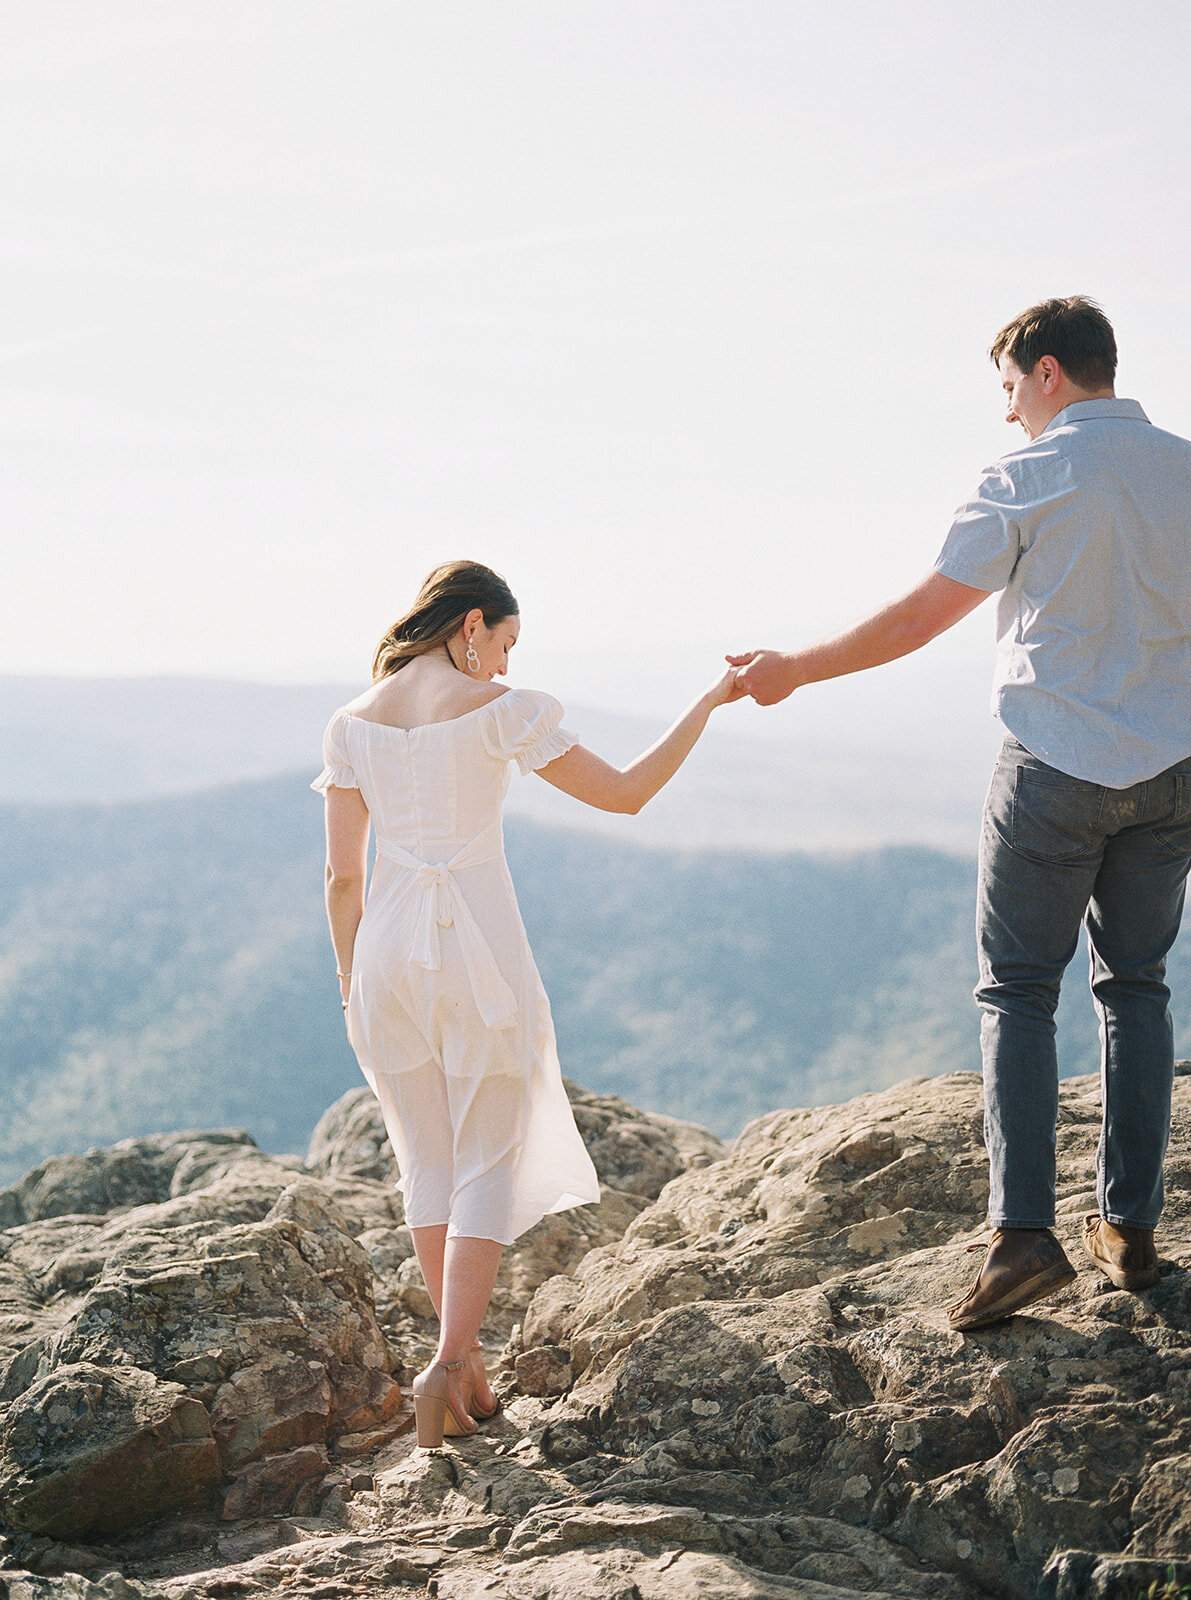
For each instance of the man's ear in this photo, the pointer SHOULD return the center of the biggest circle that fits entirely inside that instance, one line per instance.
(1051, 371)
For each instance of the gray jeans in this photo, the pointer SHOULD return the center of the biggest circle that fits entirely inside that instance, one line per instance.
(1055, 853)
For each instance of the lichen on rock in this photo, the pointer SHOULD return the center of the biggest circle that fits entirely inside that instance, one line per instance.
(733, 1377)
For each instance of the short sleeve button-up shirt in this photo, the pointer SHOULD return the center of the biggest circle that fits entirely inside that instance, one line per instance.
(1086, 533)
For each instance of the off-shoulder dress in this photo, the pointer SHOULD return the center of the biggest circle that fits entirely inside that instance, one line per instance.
(447, 1014)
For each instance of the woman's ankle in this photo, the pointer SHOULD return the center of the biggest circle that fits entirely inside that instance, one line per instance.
(453, 1363)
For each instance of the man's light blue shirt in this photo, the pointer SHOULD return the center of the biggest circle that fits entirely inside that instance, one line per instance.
(1086, 531)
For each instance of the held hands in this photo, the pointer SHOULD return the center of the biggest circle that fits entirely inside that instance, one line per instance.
(768, 675)
(726, 688)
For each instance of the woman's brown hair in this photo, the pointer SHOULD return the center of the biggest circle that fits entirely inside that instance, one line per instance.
(447, 595)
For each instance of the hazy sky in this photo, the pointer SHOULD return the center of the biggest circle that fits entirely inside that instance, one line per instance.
(673, 311)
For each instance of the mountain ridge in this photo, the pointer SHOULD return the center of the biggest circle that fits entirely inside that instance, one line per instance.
(165, 963)
(835, 787)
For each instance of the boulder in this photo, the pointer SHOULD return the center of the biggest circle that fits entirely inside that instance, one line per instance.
(91, 1452)
(112, 1585)
(774, 1327)
(745, 1386)
(1084, 1575)
(48, 1264)
(134, 1172)
(267, 1328)
(636, 1152)
(275, 1482)
(350, 1138)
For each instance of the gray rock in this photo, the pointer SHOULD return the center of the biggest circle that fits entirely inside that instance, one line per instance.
(1083, 1575)
(90, 1452)
(111, 1586)
(636, 1154)
(134, 1172)
(329, 1563)
(781, 1316)
(745, 1386)
(266, 1328)
(634, 1151)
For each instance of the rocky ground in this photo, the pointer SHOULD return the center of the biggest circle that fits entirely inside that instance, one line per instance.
(733, 1378)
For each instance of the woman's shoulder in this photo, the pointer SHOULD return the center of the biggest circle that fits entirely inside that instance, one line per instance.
(337, 719)
(485, 694)
(525, 725)
(529, 703)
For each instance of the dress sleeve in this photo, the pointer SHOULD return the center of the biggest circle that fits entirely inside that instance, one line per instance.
(337, 769)
(525, 726)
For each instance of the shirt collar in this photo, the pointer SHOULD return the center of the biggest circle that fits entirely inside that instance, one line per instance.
(1085, 410)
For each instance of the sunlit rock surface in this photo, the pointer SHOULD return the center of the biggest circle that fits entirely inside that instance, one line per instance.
(733, 1377)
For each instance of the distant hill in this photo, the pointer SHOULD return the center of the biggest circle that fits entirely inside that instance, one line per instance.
(853, 786)
(166, 964)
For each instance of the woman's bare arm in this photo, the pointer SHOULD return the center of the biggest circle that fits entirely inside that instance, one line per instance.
(347, 872)
(598, 783)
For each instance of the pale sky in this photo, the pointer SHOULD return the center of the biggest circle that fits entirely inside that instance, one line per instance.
(675, 311)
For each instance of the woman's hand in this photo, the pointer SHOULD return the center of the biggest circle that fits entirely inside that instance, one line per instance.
(726, 688)
(626, 789)
(768, 675)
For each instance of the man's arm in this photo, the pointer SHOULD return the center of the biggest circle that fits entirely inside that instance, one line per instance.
(933, 606)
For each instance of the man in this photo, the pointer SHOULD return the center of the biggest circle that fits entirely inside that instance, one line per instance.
(1086, 532)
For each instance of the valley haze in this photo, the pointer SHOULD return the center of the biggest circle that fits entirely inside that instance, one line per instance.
(900, 759)
(164, 960)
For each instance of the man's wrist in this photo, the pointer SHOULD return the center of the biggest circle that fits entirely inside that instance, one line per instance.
(791, 671)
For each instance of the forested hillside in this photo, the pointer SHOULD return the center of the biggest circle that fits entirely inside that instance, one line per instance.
(166, 965)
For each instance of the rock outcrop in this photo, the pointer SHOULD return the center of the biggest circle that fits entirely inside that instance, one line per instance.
(733, 1377)
(232, 1323)
(635, 1154)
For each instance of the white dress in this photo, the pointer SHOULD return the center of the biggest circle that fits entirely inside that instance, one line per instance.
(447, 1014)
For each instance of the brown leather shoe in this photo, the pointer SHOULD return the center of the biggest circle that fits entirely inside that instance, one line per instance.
(1021, 1265)
(1126, 1256)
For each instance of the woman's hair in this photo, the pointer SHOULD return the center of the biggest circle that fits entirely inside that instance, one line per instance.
(447, 595)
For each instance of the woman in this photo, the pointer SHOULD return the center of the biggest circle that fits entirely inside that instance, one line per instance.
(445, 1008)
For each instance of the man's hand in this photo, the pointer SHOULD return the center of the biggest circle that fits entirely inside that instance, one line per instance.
(768, 675)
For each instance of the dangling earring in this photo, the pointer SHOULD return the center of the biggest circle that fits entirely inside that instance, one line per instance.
(473, 660)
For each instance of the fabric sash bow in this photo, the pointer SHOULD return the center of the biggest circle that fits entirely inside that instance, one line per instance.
(443, 906)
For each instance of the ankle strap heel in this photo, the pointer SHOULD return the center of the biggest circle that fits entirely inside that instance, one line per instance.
(434, 1414)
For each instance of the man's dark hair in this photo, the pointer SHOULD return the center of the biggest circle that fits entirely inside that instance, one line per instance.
(1075, 331)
